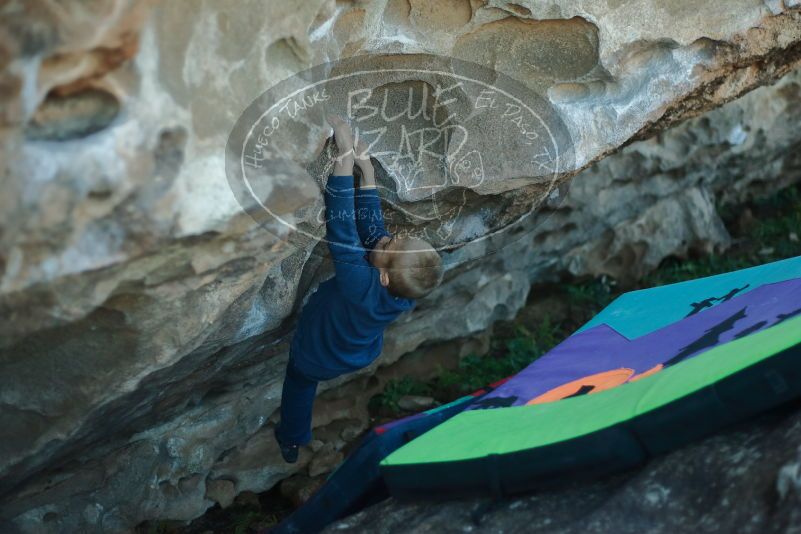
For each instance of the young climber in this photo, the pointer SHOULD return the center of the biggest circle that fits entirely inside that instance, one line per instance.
(377, 277)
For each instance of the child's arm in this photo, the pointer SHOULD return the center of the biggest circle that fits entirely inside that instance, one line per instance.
(369, 219)
(353, 272)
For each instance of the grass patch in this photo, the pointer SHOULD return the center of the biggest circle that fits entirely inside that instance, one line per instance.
(387, 401)
(515, 353)
(508, 355)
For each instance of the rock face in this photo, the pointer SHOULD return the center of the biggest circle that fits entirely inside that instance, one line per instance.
(746, 480)
(146, 317)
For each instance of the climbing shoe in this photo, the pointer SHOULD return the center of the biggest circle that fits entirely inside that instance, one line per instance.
(288, 452)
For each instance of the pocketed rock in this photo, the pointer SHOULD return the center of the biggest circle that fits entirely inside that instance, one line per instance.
(325, 460)
(299, 488)
(415, 403)
(221, 491)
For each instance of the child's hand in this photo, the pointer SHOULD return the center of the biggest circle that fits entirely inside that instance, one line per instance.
(343, 136)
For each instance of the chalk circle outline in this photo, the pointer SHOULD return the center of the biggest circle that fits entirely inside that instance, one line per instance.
(563, 158)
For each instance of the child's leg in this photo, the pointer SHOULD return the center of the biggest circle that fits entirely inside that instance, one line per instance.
(297, 400)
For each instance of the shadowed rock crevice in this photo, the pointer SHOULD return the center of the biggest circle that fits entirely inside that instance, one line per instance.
(61, 118)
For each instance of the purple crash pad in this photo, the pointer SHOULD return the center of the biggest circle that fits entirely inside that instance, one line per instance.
(602, 349)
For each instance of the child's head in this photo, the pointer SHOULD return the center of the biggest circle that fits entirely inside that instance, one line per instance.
(409, 267)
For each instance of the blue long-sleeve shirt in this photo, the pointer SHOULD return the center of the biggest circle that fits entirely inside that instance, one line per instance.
(341, 327)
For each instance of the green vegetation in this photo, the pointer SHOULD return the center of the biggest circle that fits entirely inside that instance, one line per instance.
(509, 353)
(515, 352)
(387, 401)
(762, 231)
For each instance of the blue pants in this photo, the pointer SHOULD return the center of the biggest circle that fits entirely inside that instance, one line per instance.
(297, 401)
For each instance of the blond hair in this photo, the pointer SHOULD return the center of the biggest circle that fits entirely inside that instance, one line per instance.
(415, 269)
